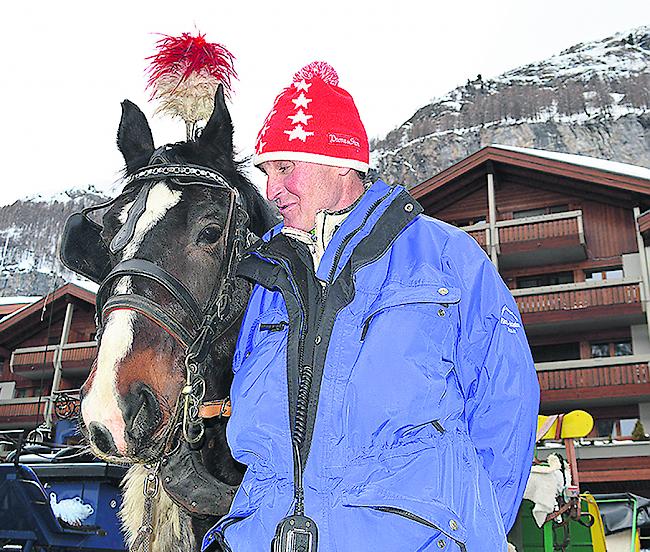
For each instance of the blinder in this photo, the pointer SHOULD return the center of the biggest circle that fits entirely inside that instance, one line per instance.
(82, 248)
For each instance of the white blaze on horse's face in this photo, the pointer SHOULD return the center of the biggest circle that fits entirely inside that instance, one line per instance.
(100, 404)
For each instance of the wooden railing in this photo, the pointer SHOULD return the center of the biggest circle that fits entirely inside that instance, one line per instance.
(19, 409)
(555, 225)
(579, 295)
(594, 377)
(480, 232)
(45, 355)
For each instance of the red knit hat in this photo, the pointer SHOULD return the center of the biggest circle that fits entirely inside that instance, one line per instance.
(314, 120)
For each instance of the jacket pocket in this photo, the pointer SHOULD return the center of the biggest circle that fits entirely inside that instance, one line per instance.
(266, 332)
(446, 526)
(431, 299)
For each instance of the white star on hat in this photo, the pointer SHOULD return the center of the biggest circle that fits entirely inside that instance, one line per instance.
(302, 85)
(301, 101)
(300, 117)
(299, 133)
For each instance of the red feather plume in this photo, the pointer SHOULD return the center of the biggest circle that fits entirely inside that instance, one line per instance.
(184, 74)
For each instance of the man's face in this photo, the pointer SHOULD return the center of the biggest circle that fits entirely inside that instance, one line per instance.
(301, 189)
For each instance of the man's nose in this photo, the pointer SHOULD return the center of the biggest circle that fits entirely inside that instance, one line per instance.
(273, 188)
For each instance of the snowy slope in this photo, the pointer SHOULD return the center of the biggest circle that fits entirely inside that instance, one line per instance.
(592, 98)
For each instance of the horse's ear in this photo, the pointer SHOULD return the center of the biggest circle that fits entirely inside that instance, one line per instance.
(134, 137)
(217, 133)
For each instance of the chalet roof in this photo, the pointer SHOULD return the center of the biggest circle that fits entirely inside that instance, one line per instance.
(608, 181)
(19, 300)
(585, 161)
(12, 304)
(29, 316)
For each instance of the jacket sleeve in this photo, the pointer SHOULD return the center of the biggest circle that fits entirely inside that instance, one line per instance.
(496, 371)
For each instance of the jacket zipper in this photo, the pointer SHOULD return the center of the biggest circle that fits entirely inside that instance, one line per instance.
(414, 517)
(277, 327)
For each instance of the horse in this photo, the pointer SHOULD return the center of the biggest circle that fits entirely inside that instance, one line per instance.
(168, 313)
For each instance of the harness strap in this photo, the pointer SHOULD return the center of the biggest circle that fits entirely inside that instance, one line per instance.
(150, 310)
(221, 408)
(147, 269)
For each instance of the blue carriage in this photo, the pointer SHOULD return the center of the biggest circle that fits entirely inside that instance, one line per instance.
(50, 501)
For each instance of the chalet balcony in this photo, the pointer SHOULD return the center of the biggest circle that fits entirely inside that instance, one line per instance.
(25, 412)
(601, 461)
(31, 411)
(36, 362)
(596, 380)
(580, 305)
(532, 241)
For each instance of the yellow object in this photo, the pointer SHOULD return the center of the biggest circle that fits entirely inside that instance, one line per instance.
(575, 424)
(597, 529)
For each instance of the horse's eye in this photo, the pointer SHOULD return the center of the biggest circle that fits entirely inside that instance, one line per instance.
(209, 235)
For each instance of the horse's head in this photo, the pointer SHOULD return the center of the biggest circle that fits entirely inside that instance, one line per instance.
(171, 240)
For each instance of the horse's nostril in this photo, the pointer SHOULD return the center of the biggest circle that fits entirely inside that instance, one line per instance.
(102, 438)
(142, 412)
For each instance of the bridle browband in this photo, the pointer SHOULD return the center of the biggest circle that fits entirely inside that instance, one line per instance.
(205, 323)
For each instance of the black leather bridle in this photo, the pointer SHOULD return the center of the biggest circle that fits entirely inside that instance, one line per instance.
(84, 251)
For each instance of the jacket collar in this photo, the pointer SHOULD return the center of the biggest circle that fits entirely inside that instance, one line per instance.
(378, 200)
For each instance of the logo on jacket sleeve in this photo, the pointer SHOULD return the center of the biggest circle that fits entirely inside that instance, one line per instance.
(509, 319)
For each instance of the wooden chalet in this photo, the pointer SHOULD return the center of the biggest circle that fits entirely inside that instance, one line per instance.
(46, 350)
(569, 236)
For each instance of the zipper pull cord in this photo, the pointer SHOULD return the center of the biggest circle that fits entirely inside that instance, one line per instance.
(300, 430)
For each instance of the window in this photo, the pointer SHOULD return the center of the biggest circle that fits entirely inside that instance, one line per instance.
(621, 347)
(551, 279)
(612, 273)
(614, 428)
(540, 211)
(599, 350)
(21, 393)
(555, 351)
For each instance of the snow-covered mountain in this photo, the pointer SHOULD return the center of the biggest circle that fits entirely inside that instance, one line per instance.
(592, 99)
(30, 231)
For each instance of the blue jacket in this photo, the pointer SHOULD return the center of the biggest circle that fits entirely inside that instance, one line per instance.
(423, 405)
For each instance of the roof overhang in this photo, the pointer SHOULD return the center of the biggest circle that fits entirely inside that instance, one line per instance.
(466, 175)
(23, 321)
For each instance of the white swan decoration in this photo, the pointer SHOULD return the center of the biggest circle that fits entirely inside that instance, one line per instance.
(71, 510)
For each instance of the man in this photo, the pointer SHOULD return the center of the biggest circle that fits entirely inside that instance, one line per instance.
(384, 397)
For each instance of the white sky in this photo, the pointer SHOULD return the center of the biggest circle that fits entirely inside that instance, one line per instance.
(69, 64)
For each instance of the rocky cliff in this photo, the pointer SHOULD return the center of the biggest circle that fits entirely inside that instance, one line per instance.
(592, 99)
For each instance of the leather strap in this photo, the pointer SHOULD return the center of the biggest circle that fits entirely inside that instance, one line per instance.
(558, 428)
(146, 269)
(221, 408)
